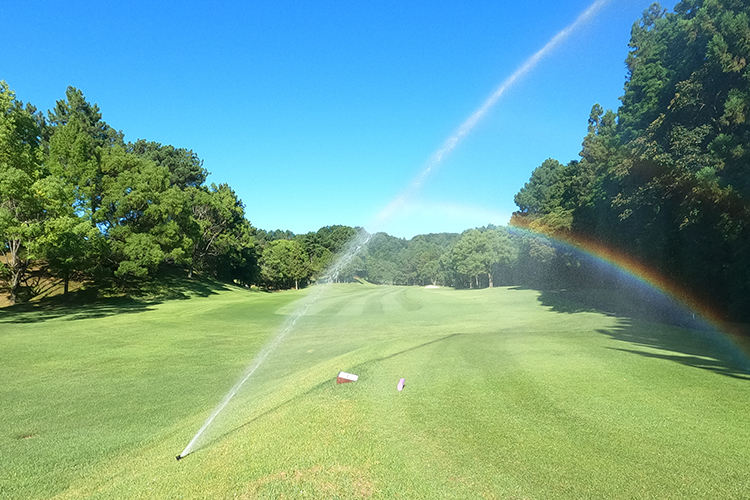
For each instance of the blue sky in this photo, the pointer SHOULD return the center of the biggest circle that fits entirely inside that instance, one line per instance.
(323, 112)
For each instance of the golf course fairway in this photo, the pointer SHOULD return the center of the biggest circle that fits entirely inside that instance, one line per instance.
(508, 394)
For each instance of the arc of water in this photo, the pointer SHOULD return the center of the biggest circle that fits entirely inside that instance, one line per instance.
(471, 122)
(288, 326)
(332, 274)
(395, 205)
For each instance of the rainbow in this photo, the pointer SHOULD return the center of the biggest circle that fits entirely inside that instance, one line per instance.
(733, 333)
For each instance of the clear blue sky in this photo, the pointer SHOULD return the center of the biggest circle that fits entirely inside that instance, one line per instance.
(322, 112)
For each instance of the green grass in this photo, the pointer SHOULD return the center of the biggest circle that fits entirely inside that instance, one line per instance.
(509, 394)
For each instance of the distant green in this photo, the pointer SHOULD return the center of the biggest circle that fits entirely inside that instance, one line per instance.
(508, 395)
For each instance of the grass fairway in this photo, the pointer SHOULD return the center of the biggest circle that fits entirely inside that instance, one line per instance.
(508, 395)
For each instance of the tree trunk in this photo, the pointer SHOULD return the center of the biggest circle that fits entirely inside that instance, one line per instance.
(489, 275)
(17, 269)
(15, 287)
(296, 284)
(66, 280)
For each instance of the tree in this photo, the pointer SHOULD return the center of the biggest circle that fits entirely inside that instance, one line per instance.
(71, 246)
(283, 263)
(501, 252)
(534, 197)
(186, 169)
(381, 255)
(665, 179)
(319, 256)
(648, 77)
(683, 193)
(323, 247)
(536, 258)
(77, 137)
(22, 200)
(138, 219)
(419, 261)
(140, 214)
(223, 241)
(466, 257)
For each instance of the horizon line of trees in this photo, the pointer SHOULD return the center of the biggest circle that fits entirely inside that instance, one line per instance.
(79, 203)
(475, 258)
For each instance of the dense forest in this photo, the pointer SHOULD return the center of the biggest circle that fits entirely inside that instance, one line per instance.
(664, 179)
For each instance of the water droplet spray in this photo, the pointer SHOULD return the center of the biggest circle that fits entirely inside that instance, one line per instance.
(393, 207)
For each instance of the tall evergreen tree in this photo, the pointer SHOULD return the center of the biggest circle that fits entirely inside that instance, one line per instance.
(22, 198)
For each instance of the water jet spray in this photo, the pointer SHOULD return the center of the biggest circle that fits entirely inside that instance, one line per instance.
(468, 125)
(332, 274)
(363, 237)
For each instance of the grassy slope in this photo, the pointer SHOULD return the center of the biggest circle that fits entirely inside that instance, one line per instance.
(504, 398)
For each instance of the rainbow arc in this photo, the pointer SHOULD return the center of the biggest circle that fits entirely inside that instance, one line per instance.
(639, 271)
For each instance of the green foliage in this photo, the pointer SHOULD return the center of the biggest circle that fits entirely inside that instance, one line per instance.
(81, 203)
(223, 239)
(140, 214)
(536, 194)
(666, 179)
(22, 197)
(283, 264)
(71, 247)
(323, 246)
(264, 236)
(419, 262)
(186, 169)
(477, 258)
(482, 254)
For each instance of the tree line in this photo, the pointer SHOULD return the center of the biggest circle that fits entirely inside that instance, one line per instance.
(78, 202)
(476, 258)
(665, 179)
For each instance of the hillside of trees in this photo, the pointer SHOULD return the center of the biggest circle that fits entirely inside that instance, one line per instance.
(473, 259)
(80, 203)
(664, 179)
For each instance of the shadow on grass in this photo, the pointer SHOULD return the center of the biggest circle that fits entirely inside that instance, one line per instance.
(110, 300)
(631, 303)
(172, 285)
(703, 349)
(311, 390)
(414, 348)
(44, 310)
(704, 363)
(655, 322)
